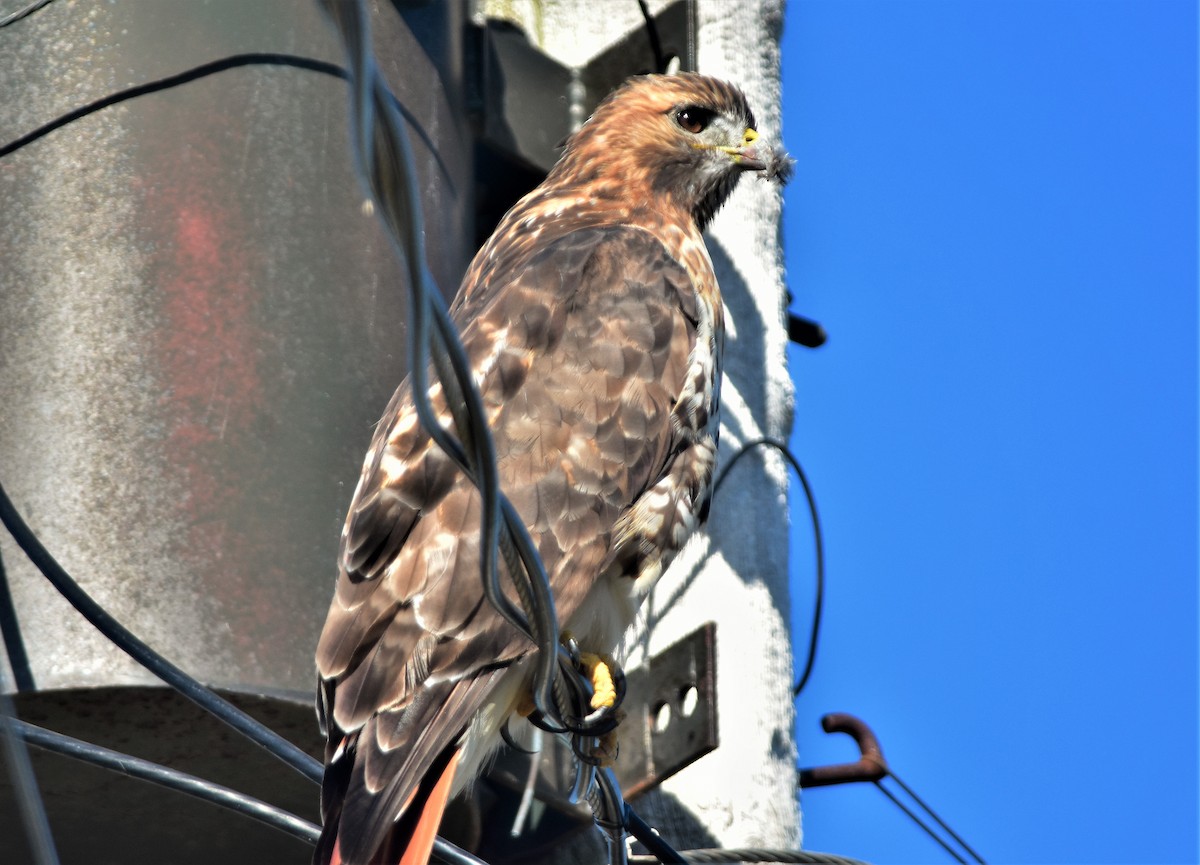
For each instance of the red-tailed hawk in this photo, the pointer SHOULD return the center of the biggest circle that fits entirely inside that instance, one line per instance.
(593, 325)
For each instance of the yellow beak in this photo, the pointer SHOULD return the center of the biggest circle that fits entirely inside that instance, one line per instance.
(746, 155)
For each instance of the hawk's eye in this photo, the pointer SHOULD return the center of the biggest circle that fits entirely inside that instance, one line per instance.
(694, 119)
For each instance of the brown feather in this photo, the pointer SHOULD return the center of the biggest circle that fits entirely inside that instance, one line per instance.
(592, 322)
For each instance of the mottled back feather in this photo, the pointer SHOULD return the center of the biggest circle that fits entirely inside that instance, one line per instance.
(592, 323)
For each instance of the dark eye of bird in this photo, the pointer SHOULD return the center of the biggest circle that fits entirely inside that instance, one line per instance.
(694, 119)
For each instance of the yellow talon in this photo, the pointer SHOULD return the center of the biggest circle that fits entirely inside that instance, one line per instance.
(604, 696)
(604, 692)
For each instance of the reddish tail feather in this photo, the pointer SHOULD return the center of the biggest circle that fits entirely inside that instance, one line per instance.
(424, 830)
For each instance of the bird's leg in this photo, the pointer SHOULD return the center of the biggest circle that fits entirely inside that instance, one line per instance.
(602, 671)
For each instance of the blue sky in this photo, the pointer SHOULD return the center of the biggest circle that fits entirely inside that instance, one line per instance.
(995, 218)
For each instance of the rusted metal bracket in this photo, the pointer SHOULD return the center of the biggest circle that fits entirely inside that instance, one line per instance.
(871, 765)
(671, 712)
(670, 722)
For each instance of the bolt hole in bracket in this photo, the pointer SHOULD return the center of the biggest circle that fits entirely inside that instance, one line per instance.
(670, 712)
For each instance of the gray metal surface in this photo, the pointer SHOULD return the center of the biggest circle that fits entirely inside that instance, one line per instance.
(200, 322)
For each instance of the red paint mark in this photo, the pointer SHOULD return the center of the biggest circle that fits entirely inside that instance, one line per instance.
(215, 402)
(207, 342)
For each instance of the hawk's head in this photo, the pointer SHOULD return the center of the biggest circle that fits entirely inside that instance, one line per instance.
(685, 137)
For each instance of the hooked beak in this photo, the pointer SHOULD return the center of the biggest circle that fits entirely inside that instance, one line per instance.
(747, 155)
(754, 154)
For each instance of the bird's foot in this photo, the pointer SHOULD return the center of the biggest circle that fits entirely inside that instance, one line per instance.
(603, 671)
(600, 670)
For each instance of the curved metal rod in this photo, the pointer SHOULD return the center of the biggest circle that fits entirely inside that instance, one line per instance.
(871, 765)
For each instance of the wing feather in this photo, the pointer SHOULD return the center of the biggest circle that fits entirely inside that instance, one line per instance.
(582, 353)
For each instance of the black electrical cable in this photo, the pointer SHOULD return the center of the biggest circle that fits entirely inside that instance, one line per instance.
(651, 840)
(444, 851)
(920, 822)
(10, 632)
(818, 543)
(232, 62)
(384, 156)
(201, 71)
(660, 61)
(125, 640)
(29, 797)
(173, 779)
(958, 838)
(199, 788)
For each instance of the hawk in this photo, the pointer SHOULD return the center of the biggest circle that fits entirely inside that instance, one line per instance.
(593, 324)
